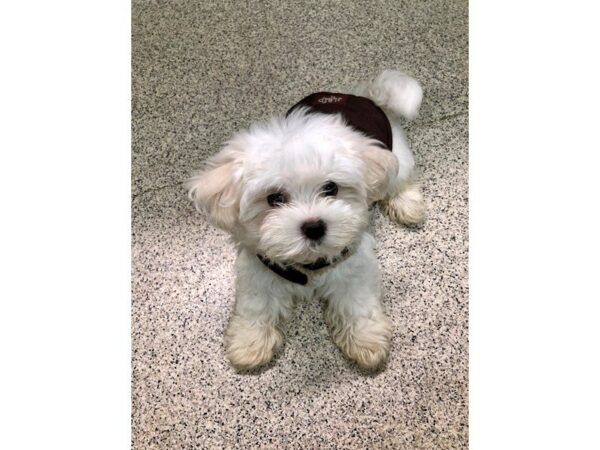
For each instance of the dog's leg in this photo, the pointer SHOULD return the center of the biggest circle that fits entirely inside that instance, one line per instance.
(406, 205)
(363, 338)
(253, 336)
(354, 313)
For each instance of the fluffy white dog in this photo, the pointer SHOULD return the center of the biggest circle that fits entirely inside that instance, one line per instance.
(294, 193)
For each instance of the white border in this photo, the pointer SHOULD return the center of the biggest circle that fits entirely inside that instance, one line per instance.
(534, 228)
(65, 264)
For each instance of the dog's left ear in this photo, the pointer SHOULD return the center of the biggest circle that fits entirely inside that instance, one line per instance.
(381, 170)
(216, 190)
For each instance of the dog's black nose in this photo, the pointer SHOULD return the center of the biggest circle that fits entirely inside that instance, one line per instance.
(314, 229)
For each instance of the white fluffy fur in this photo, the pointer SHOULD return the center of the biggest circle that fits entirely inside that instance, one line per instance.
(297, 155)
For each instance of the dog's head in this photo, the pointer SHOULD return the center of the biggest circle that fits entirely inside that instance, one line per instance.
(296, 189)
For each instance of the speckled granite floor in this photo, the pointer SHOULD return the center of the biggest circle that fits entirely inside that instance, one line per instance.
(200, 71)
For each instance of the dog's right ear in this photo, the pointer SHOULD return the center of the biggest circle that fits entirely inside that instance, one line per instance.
(216, 189)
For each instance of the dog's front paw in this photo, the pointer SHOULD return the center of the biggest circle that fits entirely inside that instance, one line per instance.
(250, 344)
(364, 340)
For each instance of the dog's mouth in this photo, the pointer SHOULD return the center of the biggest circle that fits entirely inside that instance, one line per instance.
(324, 262)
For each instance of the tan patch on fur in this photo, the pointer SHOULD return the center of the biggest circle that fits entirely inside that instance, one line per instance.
(408, 206)
(365, 340)
(215, 192)
(381, 171)
(250, 344)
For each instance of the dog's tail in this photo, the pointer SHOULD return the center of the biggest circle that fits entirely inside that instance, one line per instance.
(395, 91)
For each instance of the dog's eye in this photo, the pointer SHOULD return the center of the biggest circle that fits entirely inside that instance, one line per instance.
(329, 189)
(276, 199)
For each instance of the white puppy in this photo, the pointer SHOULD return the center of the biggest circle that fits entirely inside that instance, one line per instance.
(294, 193)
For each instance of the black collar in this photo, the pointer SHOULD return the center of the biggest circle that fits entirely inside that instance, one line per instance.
(294, 275)
(289, 273)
